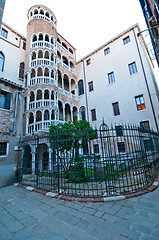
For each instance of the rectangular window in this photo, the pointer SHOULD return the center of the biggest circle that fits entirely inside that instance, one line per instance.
(132, 68)
(88, 62)
(111, 77)
(3, 148)
(90, 86)
(96, 148)
(93, 113)
(116, 108)
(107, 51)
(5, 99)
(4, 33)
(126, 40)
(121, 146)
(24, 45)
(140, 103)
(145, 125)
(119, 131)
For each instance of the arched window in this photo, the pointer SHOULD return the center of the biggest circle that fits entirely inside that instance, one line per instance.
(74, 114)
(58, 40)
(73, 86)
(32, 73)
(39, 95)
(36, 12)
(52, 73)
(52, 95)
(34, 38)
(31, 118)
(59, 55)
(59, 79)
(38, 116)
(2, 58)
(53, 115)
(21, 70)
(41, 12)
(70, 50)
(82, 112)
(60, 106)
(80, 88)
(64, 45)
(46, 94)
(66, 83)
(52, 57)
(52, 40)
(67, 113)
(40, 72)
(46, 73)
(47, 55)
(47, 14)
(71, 65)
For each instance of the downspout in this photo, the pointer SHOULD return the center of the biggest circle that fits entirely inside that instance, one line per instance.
(15, 111)
(147, 86)
(84, 72)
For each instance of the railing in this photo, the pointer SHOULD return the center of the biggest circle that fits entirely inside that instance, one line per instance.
(44, 44)
(42, 103)
(99, 163)
(42, 80)
(46, 62)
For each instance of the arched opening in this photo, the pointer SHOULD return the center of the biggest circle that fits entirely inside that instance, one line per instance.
(65, 60)
(70, 50)
(46, 94)
(73, 86)
(53, 115)
(34, 38)
(47, 55)
(33, 56)
(31, 118)
(46, 115)
(66, 83)
(52, 73)
(46, 72)
(67, 113)
(80, 88)
(52, 18)
(52, 95)
(46, 38)
(59, 79)
(52, 40)
(32, 73)
(40, 54)
(47, 14)
(52, 57)
(74, 114)
(40, 72)
(45, 161)
(59, 55)
(39, 95)
(60, 110)
(71, 64)
(38, 116)
(58, 40)
(41, 12)
(40, 37)
(32, 96)
(64, 45)
(35, 12)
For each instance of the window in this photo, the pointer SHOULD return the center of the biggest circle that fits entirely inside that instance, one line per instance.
(3, 148)
(90, 86)
(145, 125)
(21, 70)
(80, 88)
(96, 148)
(82, 113)
(116, 108)
(2, 58)
(140, 103)
(88, 62)
(132, 68)
(24, 45)
(93, 113)
(107, 51)
(5, 99)
(121, 146)
(111, 78)
(119, 131)
(4, 33)
(126, 40)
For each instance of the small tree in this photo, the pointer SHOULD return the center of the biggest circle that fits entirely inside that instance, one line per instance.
(70, 137)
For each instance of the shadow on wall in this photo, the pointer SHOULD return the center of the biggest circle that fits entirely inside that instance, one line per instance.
(7, 175)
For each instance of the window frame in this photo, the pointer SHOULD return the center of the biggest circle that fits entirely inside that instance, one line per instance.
(80, 87)
(6, 149)
(111, 78)
(93, 115)
(90, 86)
(4, 33)
(141, 106)
(107, 51)
(144, 122)
(132, 68)
(126, 40)
(116, 109)
(7, 96)
(3, 61)
(88, 62)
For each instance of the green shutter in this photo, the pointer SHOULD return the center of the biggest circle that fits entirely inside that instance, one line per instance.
(8, 101)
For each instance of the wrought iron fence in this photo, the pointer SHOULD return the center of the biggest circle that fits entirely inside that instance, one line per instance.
(109, 161)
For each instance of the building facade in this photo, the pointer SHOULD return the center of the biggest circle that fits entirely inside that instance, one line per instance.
(150, 10)
(2, 4)
(114, 82)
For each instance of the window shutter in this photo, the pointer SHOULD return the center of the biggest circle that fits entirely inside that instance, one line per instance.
(8, 101)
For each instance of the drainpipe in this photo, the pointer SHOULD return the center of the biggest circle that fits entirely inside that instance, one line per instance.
(15, 112)
(84, 72)
(147, 86)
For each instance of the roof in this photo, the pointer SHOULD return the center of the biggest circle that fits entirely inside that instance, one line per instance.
(11, 83)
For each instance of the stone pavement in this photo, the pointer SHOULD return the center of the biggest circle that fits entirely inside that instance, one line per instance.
(34, 216)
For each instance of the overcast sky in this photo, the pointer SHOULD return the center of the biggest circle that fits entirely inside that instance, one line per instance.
(86, 24)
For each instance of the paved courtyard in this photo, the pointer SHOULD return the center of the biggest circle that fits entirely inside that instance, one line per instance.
(33, 216)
